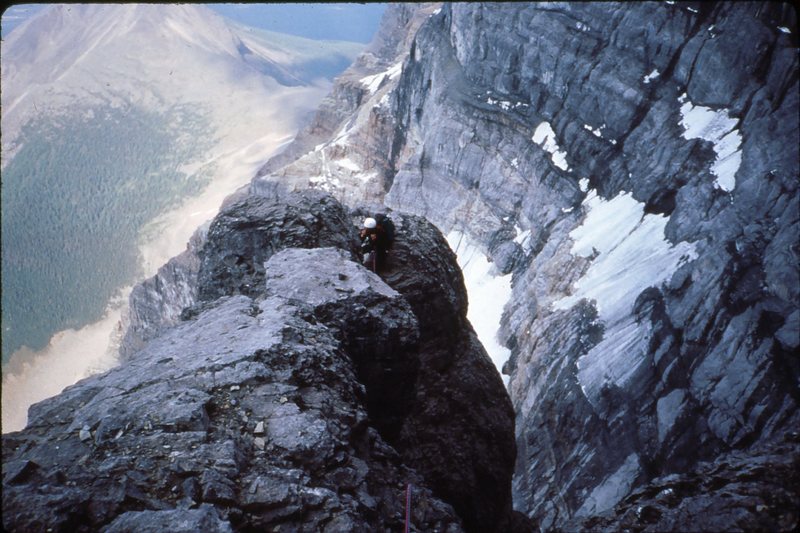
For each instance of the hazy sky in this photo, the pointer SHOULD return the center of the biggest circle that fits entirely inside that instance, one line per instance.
(344, 22)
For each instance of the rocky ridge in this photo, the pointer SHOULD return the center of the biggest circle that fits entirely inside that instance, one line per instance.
(347, 149)
(297, 389)
(633, 168)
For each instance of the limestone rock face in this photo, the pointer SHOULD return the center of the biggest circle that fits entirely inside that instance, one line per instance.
(634, 167)
(156, 303)
(245, 234)
(760, 488)
(299, 390)
(347, 148)
(654, 264)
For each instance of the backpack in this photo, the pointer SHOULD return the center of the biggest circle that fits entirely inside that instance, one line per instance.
(388, 227)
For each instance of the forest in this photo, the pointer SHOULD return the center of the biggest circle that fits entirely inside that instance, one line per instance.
(75, 198)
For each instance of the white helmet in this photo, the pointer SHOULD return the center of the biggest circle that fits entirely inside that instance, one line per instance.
(370, 223)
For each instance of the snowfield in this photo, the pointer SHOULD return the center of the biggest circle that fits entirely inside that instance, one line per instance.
(629, 253)
(488, 294)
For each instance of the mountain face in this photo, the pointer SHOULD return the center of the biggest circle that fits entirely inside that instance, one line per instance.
(634, 168)
(347, 147)
(150, 55)
(299, 390)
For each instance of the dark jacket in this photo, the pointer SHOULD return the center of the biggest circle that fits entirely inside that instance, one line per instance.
(374, 239)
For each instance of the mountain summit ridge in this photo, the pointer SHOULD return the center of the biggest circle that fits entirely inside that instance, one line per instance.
(300, 390)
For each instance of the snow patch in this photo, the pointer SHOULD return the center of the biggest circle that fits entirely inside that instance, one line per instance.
(343, 134)
(367, 176)
(488, 293)
(374, 81)
(349, 164)
(545, 137)
(341, 138)
(629, 253)
(505, 105)
(598, 132)
(583, 183)
(523, 237)
(650, 77)
(633, 253)
(719, 128)
(325, 182)
(595, 132)
(784, 29)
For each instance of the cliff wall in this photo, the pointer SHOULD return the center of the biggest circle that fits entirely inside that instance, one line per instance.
(634, 167)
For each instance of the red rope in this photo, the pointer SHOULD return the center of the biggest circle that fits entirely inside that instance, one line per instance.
(408, 506)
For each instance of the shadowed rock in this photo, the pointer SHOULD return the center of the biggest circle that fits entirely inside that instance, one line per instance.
(458, 391)
(755, 491)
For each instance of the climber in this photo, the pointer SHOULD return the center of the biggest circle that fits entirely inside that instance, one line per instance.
(377, 237)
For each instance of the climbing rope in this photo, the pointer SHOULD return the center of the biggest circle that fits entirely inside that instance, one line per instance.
(408, 506)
